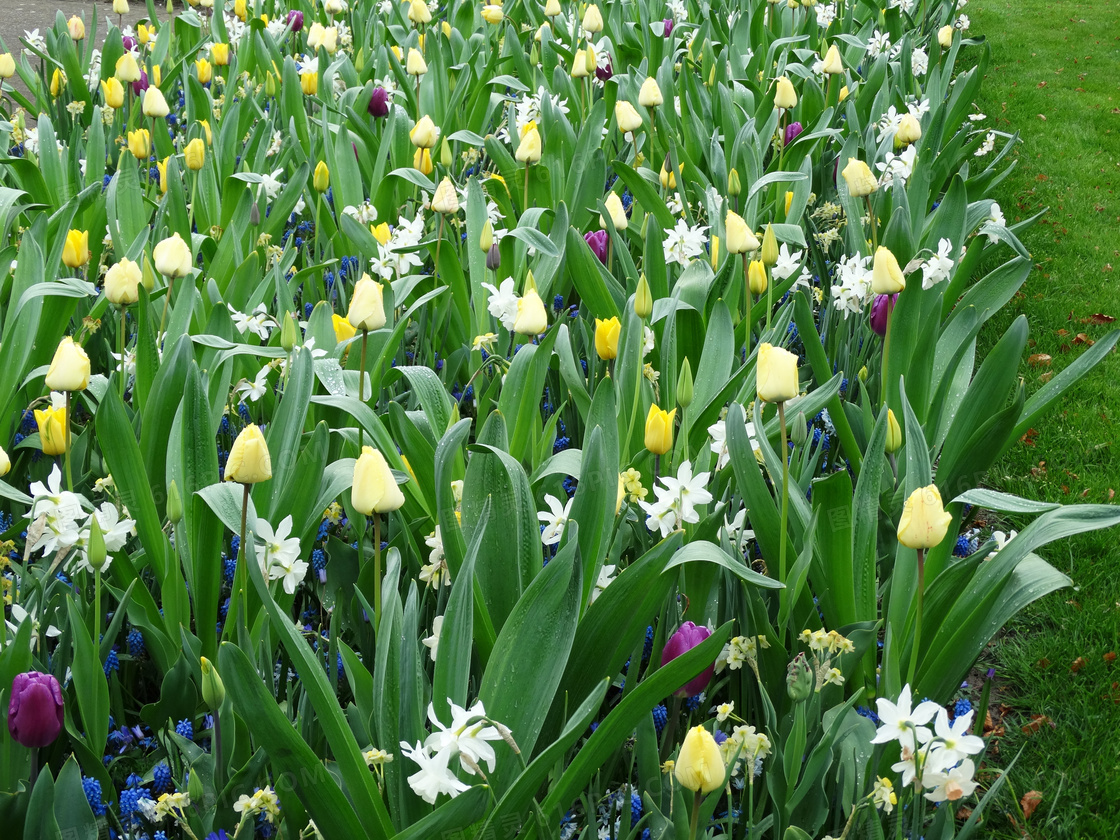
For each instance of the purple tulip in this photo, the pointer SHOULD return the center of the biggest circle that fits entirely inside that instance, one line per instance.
(881, 312)
(792, 130)
(141, 84)
(597, 239)
(35, 715)
(684, 640)
(604, 72)
(668, 27)
(295, 20)
(379, 102)
(129, 43)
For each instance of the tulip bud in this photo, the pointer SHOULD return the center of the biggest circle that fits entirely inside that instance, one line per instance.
(374, 488)
(220, 54)
(75, 250)
(492, 14)
(667, 177)
(859, 178)
(886, 276)
(415, 66)
(424, 133)
(627, 118)
(418, 12)
(249, 461)
(924, 521)
(769, 246)
(122, 282)
(650, 94)
(799, 679)
(127, 69)
(35, 712)
(367, 305)
(734, 186)
(205, 70)
(832, 64)
(894, 433)
(597, 242)
(684, 385)
(342, 329)
(173, 257)
(487, 237)
(422, 161)
(687, 637)
(909, 130)
(617, 212)
(529, 149)
(57, 81)
(843, 93)
(776, 374)
(174, 503)
(154, 103)
(69, 370)
(592, 20)
(114, 92)
(494, 257)
(51, 423)
(7, 66)
(862, 375)
(714, 255)
(740, 239)
(445, 156)
(195, 154)
(5, 463)
(213, 689)
(96, 553)
(309, 83)
(579, 65)
(784, 94)
(659, 432)
(445, 200)
(756, 277)
(532, 318)
(606, 337)
(379, 102)
(945, 36)
(322, 178)
(77, 28)
(140, 144)
(643, 299)
(289, 333)
(699, 766)
(255, 215)
(552, 8)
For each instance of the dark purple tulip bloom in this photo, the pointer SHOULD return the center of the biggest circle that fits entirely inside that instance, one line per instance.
(880, 312)
(129, 43)
(379, 102)
(35, 715)
(597, 239)
(668, 27)
(604, 73)
(295, 20)
(792, 130)
(141, 84)
(684, 640)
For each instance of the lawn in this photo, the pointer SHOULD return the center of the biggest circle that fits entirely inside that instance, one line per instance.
(1052, 78)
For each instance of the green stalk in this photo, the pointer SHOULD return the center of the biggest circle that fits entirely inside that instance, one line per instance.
(696, 815)
(362, 393)
(785, 491)
(918, 622)
(121, 343)
(376, 569)
(637, 391)
(874, 226)
(69, 479)
(769, 295)
(886, 355)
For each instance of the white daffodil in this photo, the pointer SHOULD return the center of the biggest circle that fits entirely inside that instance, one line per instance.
(277, 553)
(467, 734)
(952, 741)
(434, 777)
(19, 616)
(257, 388)
(689, 489)
(787, 263)
(503, 302)
(432, 642)
(939, 266)
(683, 243)
(555, 519)
(900, 723)
(952, 785)
(605, 579)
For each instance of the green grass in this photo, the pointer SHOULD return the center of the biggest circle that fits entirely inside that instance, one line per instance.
(1053, 78)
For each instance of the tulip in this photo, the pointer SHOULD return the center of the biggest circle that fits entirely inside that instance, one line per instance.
(756, 277)
(144, 34)
(776, 374)
(161, 167)
(416, 66)
(687, 637)
(881, 312)
(650, 94)
(740, 239)
(529, 149)
(58, 79)
(295, 20)
(367, 305)
(580, 69)
(77, 28)
(894, 433)
(604, 72)
(5, 463)
(113, 91)
(859, 179)
(7, 66)
(445, 200)
(127, 69)
(209, 135)
(606, 337)
(643, 299)
(592, 20)
(205, 70)
(597, 242)
(309, 83)
(249, 461)
(52, 430)
(685, 388)
(886, 276)
(494, 258)
(616, 211)
(626, 116)
(154, 103)
(141, 85)
(667, 28)
(486, 238)
(659, 430)
(321, 180)
(667, 176)
(213, 689)
(924, 521)
(381, 232)
(714, 253)
(315, 35)
(122, 282)
(945, 36)
(784, 94)
(35, 711)
(422, 161)
(157, 75)
(342, 329)
(374, 489)
(769, 246)
(792, 131)
(334, 7)
(532, 319)
(843, 93)
(492, 14)
(734, 185)
(75, 252)
(220, 54)
(241, 9)
(128, 42)
(173, 257)
(120, 7)
(552, 8)
(424, 134)
(69, 370)
(195, 154)
(418, 12)
(832, 64)
(699, 766)
(909, 131)
(789, 201)
(379, 102)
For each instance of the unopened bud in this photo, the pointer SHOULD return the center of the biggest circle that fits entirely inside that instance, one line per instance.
(643, 299)
(289, 333)
(799, 679)
(684, 385)
(800, 432)
(493, 257)
(96, 548)
(487, 237)
(445, 153)
(734, 187)
(255, 215)
(174, 503)
(213, 689)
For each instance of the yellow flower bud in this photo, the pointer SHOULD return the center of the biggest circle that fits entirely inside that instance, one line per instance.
(909, 130)
(249, 461)
(144, 34)
(627, 117)
(322, 178)
(924, 521)
(740, 239)
(769, 246)
(127, 70)
(784, 95)
(756, 277)
(552, 8)
(776, 374)
(832, 64)
(894, 433)
(195, 154)
(7, 66)
(374, 487)
(529, 149)
(858, 177)
(606, 337)
(381, 232)
(945, 36)
(122, 282)
(213, 689)
(699, 766)
(445, 200)
(309, 83)
(69, 370)
(342, 329)
(424, 134)
(617, 213)
(154, 103)
(886, 276)
(75, 251)
(6, 463)
(422, 161)
(58, 79)
(205, 70)
(77, 28)
(593, 20)
(492, 14)
(650, 94)
(161, 166)
(418, 12)
(220, 54)
(789, 200)
(659, 430)
(487, 237)
(416, 66)
(532, 319)
(843, 93)
(173, 257)
(114, 92)
(643, 299)
(579, 65)
(367, 305)
(714, 255)
(734, 186)
(52, 430)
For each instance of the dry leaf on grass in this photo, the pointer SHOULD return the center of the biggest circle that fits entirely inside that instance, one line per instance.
(1030, 801)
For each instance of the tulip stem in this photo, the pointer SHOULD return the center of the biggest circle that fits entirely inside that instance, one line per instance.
(69, 479)
(671, 726)
(769, 295)
(376, 569)
(362, 390)
(637, 392)
(883, 396)
(696, 813)
(918, 621)
(34, 767)
(525, 203)
(97, 605)
(121, 344)
(166, 302)
(610, 254)
(242, 569)
(785, 491)
(747, 292)
(874, 229)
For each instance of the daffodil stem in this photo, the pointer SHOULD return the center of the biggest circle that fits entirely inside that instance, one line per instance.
(69, 479)
(874, 227)
(696, 800)
(121, 343)
(918, 619)
(785, 491)
(376, 569)
(884, 395)
(362, 389)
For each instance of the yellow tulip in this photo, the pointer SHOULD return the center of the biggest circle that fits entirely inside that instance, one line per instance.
(894, 433)
(205, 70)
(627, 116)
(659, 430)
(374, 488)
(616, 211)
(342, 329)
(77, 28)
(69, 370)
(367, 305)
(422, 161)
(154, 103)
(220, 54)
(161, 166)
(173, 257)
(445, 200)
(858, 177)
(5, 463)
(924, 521)
(699, 766)
(769, 253)
(909, 131)
(784, 95)
(122, 282)
(552, 8)
(667, 176)
(740, 239)
(650, 94)
(7, 66)
(144, 34)
(52, 430)
(756, 277)
(113, 91)
(140, 143)
(415, 66)
(593, 20)
(886, 276)
(529, 149)
(58, 79)
(75, 252)
(492, 14)
(127, 70)
(309, 83)
(945, 36)
(532, 319)
(832, 64)
(381, 232)
(240, 8)
(157, 75)
(322, 178)
(843, 93)
(249, 461)
(776, 374)
(789, 200)
(209, 135)
(715, 253)
(579, 66)
(424, 134)
(606, 337)
(643, 298)
(418, 12)
(195, 154)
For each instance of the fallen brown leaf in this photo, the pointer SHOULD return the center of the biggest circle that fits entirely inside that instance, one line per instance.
(1039, 359)
(1036, 723)
(1078, 664)
(1098, 318)
(1110, 656)
(1081, 338)
(1030, 802)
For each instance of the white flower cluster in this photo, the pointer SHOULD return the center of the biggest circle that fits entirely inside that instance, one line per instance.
(677, 500)
(64, 523)
(278, 554)
(467, 737)
(852, 292)
(683, 243)
(395, 256)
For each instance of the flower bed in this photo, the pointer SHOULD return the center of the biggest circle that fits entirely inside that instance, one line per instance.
(497, 421)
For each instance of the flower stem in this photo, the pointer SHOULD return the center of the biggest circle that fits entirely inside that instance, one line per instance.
(918, 621)
(362, 390)
(242, 569)
(785, 491)
(637, 392)
(883, 397)
(166, 301)
(769, 295)
(121, 344)
(525, 203)
(376, 569)
(69, 479)
(695, 816)
(874, 227)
